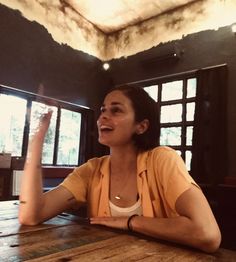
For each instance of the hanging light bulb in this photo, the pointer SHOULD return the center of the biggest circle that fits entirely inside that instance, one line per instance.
(106, 66)
(233, 27)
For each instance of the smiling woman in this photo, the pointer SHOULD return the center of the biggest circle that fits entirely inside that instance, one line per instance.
(139, 186)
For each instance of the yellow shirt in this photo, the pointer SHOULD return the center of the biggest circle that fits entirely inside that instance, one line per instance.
(161, 178)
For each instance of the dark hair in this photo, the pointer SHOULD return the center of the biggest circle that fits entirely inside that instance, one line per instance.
(145, 108)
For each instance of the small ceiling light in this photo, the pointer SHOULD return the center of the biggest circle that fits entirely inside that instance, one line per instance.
(106, 66)
(233, 27)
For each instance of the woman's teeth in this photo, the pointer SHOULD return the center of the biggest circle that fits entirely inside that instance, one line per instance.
(106, 128)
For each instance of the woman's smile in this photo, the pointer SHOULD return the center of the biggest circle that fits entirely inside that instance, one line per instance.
(105, 128)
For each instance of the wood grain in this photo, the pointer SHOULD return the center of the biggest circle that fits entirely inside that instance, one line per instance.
(40, 243)
(70, 238)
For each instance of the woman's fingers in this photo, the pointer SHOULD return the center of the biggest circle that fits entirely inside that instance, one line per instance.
(45, 121)
(115, 222)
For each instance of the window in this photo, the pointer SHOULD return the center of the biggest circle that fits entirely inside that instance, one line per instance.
(175, 98)
(152, 91)
(12, 119)
(69, 138)
(37, 109)
(19, 118)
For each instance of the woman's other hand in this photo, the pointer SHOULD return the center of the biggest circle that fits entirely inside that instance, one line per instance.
(114, 222)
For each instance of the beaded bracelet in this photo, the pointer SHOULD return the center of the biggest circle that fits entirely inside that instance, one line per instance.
(129, 226)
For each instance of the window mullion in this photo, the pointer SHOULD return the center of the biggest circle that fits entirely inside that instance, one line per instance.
(184, 117)
(26, 129)
(56, 142)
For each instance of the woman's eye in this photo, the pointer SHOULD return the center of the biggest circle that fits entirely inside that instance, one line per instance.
(115, 110)
(112, 110)
(102, 109)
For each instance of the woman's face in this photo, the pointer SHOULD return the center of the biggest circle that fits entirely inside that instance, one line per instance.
(116, 123)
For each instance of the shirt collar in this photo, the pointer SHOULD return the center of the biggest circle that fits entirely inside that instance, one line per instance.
(105, 166)
(142, 184)
(142, 162)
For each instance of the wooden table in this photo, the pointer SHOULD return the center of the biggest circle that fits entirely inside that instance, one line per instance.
(69, 238)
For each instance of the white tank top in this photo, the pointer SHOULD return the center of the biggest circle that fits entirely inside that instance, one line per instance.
(126, 211)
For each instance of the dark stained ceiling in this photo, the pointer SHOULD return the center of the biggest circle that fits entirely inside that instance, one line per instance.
(111, 29)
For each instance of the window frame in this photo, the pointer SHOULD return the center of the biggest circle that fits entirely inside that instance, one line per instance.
(158, 81)
(184, 123)
(85, 147)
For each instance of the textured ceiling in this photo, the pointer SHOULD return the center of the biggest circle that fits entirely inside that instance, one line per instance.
(115, 15)
(110, 29)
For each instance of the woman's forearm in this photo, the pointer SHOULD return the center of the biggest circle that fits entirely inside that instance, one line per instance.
(36, 206)
(31, 193)
(180, 230)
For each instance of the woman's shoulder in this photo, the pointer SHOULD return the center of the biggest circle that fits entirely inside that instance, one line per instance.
(162, 151)
(98, 160)
(163, 156)
(167, 163)
(92, 163)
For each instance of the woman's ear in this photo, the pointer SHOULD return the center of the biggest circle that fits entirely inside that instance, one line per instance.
(142, 127)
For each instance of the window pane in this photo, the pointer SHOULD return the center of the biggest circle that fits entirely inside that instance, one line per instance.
(152, 91)
(191, 87)
(12, 119)
(188, 159)
(172, 90)
(170, 136)
(37, 110)
(178, 152)
(190, 111)
(69, 138)
(171, 113)
(189, 135)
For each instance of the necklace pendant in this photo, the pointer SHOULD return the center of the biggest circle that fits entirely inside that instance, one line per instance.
(118, 197)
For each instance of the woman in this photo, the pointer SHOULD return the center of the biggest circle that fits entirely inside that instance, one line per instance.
(140, 186)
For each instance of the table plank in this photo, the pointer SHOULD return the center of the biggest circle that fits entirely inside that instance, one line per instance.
(40, 243)
(131, 248)
(12, 227)
(70, 238)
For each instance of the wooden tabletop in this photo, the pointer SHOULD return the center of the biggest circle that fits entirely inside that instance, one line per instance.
(69, 238)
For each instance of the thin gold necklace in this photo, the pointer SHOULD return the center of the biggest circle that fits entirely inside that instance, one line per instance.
(118, 196)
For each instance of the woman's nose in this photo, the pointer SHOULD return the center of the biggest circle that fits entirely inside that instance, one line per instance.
(103, 115)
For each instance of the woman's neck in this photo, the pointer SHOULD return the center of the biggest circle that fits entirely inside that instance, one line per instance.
(123, 176)
(123, 159)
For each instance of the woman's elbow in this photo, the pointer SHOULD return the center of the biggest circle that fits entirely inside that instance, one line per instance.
(28, 220)
(210, 241)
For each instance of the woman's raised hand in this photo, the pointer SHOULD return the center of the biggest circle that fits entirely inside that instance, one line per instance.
(43, 124)
(37, 139)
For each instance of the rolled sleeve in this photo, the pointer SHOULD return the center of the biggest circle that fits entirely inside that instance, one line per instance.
(174, 176)
(77, 182)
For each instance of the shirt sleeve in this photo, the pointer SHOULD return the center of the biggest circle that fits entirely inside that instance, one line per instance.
(77, 182)
(173, 176)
